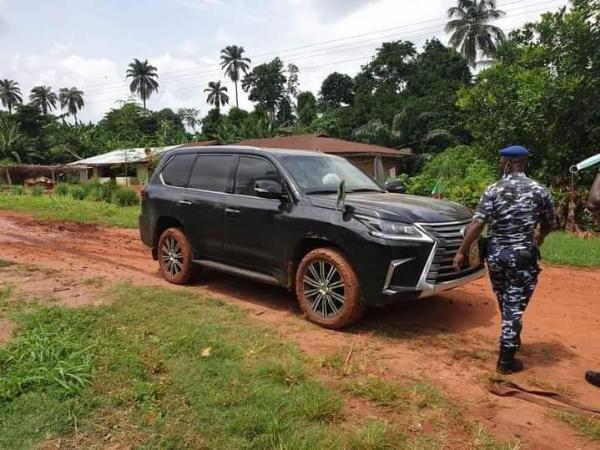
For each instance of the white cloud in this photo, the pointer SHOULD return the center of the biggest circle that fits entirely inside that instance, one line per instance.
(187, 60)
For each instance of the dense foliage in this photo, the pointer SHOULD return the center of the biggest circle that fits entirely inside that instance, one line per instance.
(542, 91)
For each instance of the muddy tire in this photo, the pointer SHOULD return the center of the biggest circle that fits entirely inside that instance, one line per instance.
(328, 290)
(175, 257)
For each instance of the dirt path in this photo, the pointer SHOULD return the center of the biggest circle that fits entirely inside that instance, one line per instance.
(450, 338)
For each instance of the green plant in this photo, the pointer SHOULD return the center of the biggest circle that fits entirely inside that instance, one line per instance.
(36, 191)
(43, 358)
(77, 192)
(61, 189)
(458, 173)
(125, 197)
(17, 190)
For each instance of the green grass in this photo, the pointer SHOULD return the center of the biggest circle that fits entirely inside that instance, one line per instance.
(54, 207)
(165, 369)
(562, 248)
(588, 427)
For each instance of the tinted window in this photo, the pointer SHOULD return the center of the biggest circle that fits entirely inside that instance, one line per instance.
(177, 171)
(250, 170)
(210, 172)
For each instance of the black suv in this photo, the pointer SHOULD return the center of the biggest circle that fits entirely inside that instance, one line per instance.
(284, 217)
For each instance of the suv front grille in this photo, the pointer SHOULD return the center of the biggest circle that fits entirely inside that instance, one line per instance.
(449, 237)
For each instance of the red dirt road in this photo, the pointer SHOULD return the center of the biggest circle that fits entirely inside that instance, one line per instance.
(450, 339)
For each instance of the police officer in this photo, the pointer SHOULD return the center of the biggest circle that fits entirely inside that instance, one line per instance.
(513, 208)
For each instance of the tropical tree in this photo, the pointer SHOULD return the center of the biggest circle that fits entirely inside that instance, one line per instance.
(471, 29)
(266, 85)
(144, 78)
(10, 94)
(190, 116)
(234, 63)
(217, 94)
(72, 100)
(336, 90)
(43, 98)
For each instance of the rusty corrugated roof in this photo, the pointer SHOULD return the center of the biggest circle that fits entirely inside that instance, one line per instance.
(325, 144)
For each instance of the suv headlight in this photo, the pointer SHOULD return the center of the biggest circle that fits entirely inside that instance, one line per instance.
(386, 229)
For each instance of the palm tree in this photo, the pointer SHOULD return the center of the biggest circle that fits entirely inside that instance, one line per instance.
(72, 99)
(233, 62)
(143, 77)
(10, 94)
(217, 94)
(471, 29)
(44, 98)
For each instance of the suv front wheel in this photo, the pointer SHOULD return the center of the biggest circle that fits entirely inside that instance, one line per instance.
(327, 289)
(175, 256)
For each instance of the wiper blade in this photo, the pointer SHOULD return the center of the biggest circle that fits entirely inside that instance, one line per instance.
(364, 190)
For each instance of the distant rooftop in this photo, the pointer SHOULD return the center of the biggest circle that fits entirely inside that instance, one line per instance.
(323, 144)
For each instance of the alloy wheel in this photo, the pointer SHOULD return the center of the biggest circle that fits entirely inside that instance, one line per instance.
(324, 288)
(172, 256)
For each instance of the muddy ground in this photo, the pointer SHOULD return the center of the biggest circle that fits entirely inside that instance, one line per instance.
(450, 339)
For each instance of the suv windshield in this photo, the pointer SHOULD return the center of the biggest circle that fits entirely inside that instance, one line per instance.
(322, 174)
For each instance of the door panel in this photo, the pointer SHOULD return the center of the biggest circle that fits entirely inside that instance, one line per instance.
(204, 204)
(254, 226)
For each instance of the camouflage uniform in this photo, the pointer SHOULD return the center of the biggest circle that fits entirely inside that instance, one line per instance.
(512, 208)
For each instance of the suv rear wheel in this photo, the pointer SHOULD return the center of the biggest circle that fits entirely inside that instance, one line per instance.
(327, 289)
(175, 256)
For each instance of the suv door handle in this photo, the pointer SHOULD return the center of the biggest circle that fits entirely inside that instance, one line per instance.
(232, 212)
(185, 202)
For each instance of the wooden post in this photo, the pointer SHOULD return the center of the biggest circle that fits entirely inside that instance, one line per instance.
(8, 176)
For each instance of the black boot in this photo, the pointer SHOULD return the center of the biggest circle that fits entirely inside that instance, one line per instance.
(507, 363)
(593, 378)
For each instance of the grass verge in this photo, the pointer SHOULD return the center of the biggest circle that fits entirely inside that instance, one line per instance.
(562, 248)
(54, 207)
(588, 427)
(160, 368)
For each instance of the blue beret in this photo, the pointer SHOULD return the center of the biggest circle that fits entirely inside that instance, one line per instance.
(514, 151)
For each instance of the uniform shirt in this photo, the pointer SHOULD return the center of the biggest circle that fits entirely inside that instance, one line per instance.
(512, 208)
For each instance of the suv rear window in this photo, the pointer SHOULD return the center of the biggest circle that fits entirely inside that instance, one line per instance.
(211, 172)
(177, 171)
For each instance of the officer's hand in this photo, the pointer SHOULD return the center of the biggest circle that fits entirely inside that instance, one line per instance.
(459, 258)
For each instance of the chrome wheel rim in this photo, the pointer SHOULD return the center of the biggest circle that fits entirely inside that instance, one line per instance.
(324, 289)
(171, 255)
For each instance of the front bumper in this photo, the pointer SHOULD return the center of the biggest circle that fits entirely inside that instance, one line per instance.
(398, 293)
(437, 274)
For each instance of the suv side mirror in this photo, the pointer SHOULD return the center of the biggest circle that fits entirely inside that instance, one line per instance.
(394, 186)
(269, 189)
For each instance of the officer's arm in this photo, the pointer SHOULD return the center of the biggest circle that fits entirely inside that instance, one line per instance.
(473, 232)
(593, 202)
(547, 218)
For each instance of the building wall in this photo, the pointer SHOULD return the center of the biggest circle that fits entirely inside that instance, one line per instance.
(367, 164)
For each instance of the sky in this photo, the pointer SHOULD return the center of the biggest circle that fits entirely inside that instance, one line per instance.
(89, 43)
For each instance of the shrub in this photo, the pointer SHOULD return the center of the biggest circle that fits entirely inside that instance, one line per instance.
(37, 191)
(77, 192)
(459, 173)
(125, 197)
(17, 190)
(61, 189)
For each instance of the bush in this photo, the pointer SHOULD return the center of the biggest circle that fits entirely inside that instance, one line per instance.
(459, 173)
(37, 191)
(17, 190)
(77, 192)
(125, 197)
(61, 189)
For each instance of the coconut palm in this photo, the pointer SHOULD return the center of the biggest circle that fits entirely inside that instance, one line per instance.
(217, 94)
(44, 98)
(144, 79)
(471, 29)
(234, 63)
(10, 94)
(72, 100)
